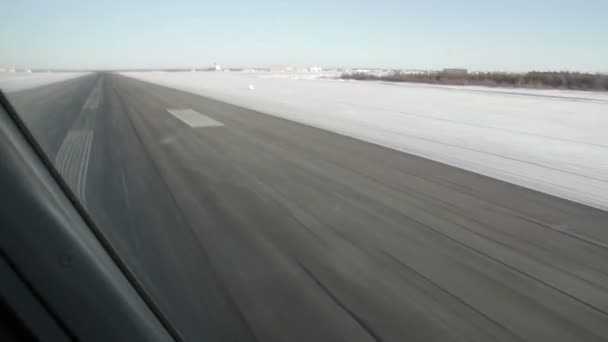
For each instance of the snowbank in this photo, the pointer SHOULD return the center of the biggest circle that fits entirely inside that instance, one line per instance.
(15, 81)
(547, 140)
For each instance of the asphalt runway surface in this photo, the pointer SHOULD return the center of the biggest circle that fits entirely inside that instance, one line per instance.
(243, 226)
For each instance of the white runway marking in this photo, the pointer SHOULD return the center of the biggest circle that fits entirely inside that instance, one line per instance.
(85, 168)
(72, 160)
(92, 102)
(193, 118)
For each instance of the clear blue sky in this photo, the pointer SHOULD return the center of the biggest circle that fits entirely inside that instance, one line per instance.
(497, 35)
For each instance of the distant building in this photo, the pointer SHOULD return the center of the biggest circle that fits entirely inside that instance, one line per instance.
(280, 68)
(315, 69)
(454, 72)
(214, 67)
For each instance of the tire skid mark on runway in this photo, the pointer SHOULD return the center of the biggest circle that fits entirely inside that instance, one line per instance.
(447, 207)
(455, 225)
(410, 269)
(362, 323)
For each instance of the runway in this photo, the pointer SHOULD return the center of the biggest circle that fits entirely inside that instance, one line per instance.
(244, 226)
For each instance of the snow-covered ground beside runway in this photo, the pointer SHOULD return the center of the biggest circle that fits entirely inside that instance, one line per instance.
(549, 140)
(15, 81)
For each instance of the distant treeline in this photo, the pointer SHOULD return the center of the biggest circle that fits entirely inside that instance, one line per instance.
(533, 79)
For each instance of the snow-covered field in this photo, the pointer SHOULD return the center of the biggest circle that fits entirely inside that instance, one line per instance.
(547, 140)
(15, 81)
